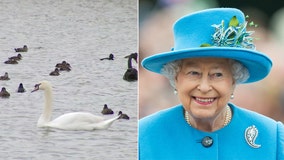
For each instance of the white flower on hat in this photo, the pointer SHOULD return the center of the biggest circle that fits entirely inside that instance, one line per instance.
(234, 36)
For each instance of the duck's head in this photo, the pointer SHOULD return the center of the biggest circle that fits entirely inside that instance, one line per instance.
(41, 86)
(3, 89)
(120, 115)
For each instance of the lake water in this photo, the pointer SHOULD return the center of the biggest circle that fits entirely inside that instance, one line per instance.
(79, 32)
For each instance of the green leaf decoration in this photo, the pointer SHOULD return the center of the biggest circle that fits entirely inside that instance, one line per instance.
(234, 22)
(232, 35)
(235, 35)
(205, 45)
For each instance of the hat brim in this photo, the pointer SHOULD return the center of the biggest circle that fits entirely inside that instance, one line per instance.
(257, 63)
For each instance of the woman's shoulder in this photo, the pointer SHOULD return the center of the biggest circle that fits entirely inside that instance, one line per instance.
(160, 118)
(266, 127)
(162, 114)
(249, 115)
(245, 116)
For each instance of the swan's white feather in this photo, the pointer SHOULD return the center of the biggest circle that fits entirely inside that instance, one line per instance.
(80, 121)
(69, 121)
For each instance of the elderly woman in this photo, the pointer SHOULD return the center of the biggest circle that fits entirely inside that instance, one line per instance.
(213, 53)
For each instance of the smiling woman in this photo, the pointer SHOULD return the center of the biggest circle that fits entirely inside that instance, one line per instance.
(204, 87)
(212, 54)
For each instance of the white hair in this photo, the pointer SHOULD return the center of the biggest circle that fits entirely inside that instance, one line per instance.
(239, 71)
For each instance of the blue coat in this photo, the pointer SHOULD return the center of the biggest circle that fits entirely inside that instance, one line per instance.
(166, 135)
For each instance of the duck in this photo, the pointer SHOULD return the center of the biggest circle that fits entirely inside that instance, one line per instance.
(55, 72)
(24, 49)
(21, 88)
(5, 77)
(106, 110)
(110, 57)
(17, 58)
(4, 93)
(11, 61)
(64, 66)
(123, 115)
(131, 73)
(69, 121)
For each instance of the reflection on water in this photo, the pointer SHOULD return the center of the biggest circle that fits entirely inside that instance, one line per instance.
(80, 32)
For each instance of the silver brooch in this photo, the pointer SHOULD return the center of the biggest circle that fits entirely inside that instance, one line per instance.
(251, 134)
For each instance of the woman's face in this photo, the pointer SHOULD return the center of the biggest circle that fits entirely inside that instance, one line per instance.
(204, 86)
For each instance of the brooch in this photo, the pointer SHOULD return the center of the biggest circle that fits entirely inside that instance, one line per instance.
(251, 134)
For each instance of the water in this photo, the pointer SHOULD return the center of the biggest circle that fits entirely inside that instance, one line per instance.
(80, 32)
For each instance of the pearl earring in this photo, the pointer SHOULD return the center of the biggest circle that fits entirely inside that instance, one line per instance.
(175, 92)
(232, 96)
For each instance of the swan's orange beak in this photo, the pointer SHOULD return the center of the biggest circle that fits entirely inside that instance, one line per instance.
(36, 88)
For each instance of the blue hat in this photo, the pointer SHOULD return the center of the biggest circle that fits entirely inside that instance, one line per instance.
(218, 33)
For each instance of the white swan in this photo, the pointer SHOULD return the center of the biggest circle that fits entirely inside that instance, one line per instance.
(69, 121)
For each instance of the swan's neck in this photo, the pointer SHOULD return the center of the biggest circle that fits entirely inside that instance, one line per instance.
(46, 115)
(129, 62)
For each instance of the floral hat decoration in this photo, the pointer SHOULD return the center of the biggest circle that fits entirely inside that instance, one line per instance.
(218, 33)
